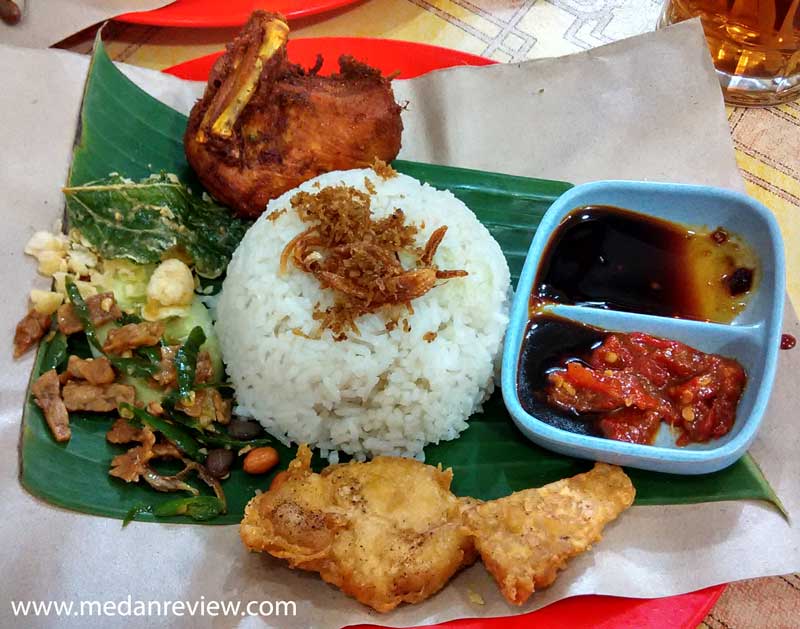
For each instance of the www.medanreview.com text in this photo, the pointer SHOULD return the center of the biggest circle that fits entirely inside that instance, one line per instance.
(136, 608)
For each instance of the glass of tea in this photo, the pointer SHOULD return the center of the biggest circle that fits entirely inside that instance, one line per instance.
(755, 45)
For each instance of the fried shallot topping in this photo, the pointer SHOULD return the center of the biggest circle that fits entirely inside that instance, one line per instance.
(359, 257)
(383, 170)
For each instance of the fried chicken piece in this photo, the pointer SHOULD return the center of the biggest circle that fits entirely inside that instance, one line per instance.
(384, 532)
(47, 393)
(524, 539)
(97, 398)
(390, 531)
(29, 331)
(133, 335)
(265, 125)
(102, 309)
(93, 370)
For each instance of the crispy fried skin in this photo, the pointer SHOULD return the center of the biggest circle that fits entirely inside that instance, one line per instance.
(524, 539)
(265, 125)
(381, 541)
(390, 531)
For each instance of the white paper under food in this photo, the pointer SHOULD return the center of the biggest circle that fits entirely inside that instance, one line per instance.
(47, 22)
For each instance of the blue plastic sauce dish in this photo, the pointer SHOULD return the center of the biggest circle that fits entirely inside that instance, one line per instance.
(752, 338)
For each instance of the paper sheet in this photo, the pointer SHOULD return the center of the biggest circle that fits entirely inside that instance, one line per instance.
(46, 22)
(647, 108)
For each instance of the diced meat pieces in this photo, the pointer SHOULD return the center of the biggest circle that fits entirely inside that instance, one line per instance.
(93, 370)
(30, 330)
(97, 398)
(166, 375)
(166, 450)
(133, 335)
(133, 463)
(68, 322)
(130, 465)
(46, 391)
(123, 432)
(204, 372)
(102, 309)
(207, 406)
(222, 408)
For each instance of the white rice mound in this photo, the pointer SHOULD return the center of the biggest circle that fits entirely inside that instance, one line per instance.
(380, 392)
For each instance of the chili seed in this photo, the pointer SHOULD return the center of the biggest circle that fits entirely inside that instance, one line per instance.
(740, 281)
(719, 236)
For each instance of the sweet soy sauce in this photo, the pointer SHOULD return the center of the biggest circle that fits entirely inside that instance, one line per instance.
(548, 341)
(612, 258)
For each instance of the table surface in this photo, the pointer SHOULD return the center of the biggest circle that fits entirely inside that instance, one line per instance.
(767, 140)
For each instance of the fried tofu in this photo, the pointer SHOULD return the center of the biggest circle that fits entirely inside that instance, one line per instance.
(390, 531)
(384, 532)
(525, 539)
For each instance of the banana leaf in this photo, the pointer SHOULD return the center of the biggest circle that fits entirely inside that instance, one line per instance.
(125, 130)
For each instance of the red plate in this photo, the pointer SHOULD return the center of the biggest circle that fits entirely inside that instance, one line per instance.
(218, 13)
(389, 55)
(580, 612)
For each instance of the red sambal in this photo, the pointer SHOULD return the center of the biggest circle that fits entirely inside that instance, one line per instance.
(632, 382)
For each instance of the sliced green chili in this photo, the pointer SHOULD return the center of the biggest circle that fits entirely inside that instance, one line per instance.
(82, 312)
(133, 512)
(186, 361)
(176, 434)
(219, 440)
(198, 508)
(215, 439)
(127, 318)
(151, 354)
(55, 354)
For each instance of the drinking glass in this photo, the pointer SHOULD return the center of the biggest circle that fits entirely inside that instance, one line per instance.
(755, 45)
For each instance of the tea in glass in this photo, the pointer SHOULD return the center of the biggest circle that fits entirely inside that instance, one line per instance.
(755, 45)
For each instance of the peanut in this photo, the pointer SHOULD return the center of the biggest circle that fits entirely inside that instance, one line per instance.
(260, 460)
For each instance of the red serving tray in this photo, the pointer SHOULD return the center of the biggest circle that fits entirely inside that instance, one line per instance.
(390, 55)
(220, 13)
(685, 611)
